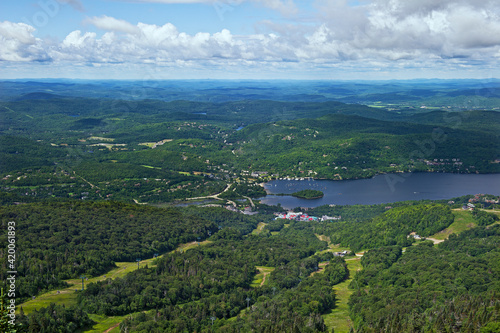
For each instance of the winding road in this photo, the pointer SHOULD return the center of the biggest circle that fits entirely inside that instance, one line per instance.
(216, 196)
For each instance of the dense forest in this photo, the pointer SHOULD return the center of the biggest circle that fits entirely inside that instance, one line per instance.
(209, 287)
(452, 287)
(390, 228)
(94, 183)
(64, 240)
(160, 151)
(308, 194)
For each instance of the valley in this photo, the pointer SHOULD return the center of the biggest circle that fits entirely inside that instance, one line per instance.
(162, 206)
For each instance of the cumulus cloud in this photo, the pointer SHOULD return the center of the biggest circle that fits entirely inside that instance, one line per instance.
(399, 33)
(474, 29)
(17, 43)
(402, 29)
(112, 24)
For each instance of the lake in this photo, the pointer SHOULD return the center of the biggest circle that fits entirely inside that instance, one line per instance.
(382, 189)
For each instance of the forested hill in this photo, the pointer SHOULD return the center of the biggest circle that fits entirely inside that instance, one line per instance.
(480, 121)
(67, 148)
(352, 146)
(215, 286)
(453, 287)
(64, 240)
(63, 113)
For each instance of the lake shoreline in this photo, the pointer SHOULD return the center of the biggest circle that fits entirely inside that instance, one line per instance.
(383, 188)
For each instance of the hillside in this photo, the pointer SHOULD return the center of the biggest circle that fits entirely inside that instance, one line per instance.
(135, 207)
(149, 156)
(188, 287)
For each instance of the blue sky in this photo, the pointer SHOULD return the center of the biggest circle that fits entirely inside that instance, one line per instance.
(249, 39)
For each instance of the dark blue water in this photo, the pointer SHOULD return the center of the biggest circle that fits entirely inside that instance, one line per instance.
(383, 189)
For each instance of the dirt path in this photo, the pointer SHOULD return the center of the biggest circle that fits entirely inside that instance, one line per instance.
(111, 328)
(215, 196)
(435, 241)
(321, 266)
(264, 277)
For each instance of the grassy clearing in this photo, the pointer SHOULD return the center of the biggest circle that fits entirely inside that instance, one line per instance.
(260, 279)
(333, 247)
(67, 296)
(147, 144)
(151, 167)
(338, 318)
(187, 246)
(259, 228)
(463, 221)
(323, 238)
(103, 324)
(321, 268)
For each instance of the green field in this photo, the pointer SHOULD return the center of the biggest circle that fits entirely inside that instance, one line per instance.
(103, 324)
(187, 246)
(463, 221)
(338, 318)
(259, 228)
(261, 278)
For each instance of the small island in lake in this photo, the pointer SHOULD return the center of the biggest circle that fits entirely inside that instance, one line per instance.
(308, 194)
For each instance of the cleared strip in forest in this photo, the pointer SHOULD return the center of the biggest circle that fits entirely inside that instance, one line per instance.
(68, 295)
(338, 318)
(463, 221)
(260, 278)
(259, 228)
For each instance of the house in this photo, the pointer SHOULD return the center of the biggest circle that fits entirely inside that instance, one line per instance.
(326, 217)
(414, 235)
(341, 254)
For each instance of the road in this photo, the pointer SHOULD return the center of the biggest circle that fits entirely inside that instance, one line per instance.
(216, 196)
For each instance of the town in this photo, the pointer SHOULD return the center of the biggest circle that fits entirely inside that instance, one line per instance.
(299, 216)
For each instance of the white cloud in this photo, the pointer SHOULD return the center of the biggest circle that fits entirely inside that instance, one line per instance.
(76, 40)
(17, 43)
(444, 35)
(21, 32)
(474, 29)
(402, 29)
(111, 24)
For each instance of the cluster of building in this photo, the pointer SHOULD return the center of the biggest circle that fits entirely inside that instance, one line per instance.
(482, 197)
(299, 216)
(342, 253)
(469, 206)
(442, 161)
(414, 235)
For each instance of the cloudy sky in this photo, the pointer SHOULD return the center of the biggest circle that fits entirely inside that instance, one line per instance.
(249, 39)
